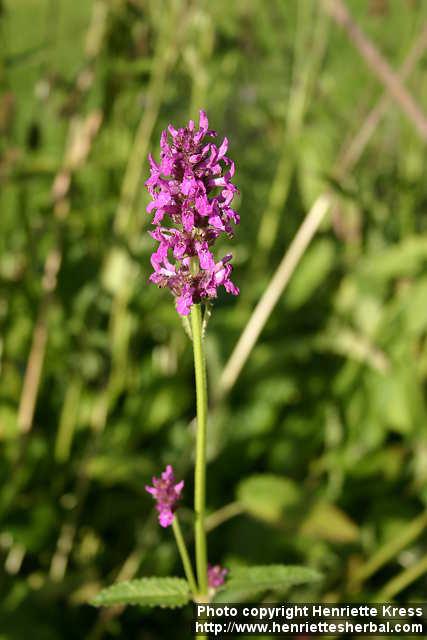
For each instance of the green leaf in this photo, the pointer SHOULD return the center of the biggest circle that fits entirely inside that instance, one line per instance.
(391, 399)
(311, 272)
(245, 582)
(148, 592)
(403, 259)
(326, 521)
(265, 496)
(118, 268)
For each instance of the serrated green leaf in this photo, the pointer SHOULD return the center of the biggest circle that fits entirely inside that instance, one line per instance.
(265, 496)
(252, 581)
(148, 592)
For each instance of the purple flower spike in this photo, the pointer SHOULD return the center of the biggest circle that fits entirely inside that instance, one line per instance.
(191, 192)
(167, 495)
(216, 575)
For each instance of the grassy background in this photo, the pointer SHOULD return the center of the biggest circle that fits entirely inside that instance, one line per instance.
(319, 449)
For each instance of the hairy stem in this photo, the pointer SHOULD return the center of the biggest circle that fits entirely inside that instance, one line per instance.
(186, 562)
(200, 470)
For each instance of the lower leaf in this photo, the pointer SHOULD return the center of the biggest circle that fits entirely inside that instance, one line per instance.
(246, 582)
(148, 592)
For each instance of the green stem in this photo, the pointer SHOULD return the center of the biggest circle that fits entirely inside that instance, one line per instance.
(403, 580)
(200, 470)
(186, 562)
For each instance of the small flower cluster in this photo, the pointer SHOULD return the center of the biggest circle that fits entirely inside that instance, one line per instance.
(167, 495)
(192, 186)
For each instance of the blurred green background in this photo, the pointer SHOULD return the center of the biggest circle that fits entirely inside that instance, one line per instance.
(318, 444)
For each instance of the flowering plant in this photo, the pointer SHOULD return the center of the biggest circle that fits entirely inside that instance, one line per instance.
(191, 193)
(182, 186)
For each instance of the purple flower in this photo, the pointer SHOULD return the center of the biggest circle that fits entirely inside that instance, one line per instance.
(216, 575)
(192, 192)
(167, 495)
